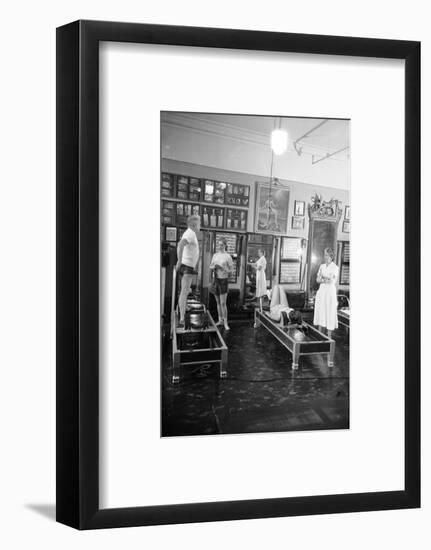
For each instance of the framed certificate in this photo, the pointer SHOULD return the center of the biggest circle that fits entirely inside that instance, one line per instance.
(171, 234)
(297, 222)
(299, 208)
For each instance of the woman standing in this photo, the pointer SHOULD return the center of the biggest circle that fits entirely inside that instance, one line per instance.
(222, 267)
(260, 267)
(325, 307)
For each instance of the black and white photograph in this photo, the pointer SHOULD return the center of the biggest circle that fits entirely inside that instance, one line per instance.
(299, 208)
(347, 213)
(297, 222)
(193, 255)
(255, 308)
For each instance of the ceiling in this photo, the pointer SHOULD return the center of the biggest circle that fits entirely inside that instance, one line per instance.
(323, 139)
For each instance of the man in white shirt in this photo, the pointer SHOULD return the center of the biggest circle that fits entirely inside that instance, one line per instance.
(188, 257)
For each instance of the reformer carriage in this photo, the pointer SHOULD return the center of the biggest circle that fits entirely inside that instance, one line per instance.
(199, 342)
(306, 340)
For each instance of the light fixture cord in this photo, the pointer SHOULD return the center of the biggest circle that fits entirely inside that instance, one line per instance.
(270, 173)
(270, 185)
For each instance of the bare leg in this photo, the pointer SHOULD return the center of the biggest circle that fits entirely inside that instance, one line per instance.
(283, 298)
(186, 283)
(275, 298)
(224, 309)
(219, 311)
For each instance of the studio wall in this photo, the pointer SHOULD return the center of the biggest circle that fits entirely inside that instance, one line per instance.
(299, 191)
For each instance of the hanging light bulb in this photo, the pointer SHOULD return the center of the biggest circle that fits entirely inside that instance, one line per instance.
(279, 140)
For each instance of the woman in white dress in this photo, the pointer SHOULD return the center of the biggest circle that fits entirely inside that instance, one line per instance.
(260, 267)
(325, 307)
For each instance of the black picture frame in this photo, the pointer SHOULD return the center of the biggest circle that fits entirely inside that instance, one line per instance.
(171, 234)
(346, 226)
(298, 222)
(263, 189)
(299, 208)
(77, 381)
(347, 212)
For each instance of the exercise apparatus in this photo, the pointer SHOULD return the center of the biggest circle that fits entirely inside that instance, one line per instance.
(304, 340)
(343, 311)
(199, 342)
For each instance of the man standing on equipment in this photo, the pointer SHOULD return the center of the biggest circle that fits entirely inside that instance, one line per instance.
(188, 257)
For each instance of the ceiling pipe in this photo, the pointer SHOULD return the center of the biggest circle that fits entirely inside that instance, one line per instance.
(295, 143)
(328, 155)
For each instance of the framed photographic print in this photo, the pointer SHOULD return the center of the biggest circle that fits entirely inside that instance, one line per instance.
(299, 208)
(297, 222)
(290, 260)
(346, 226)
(272, 205)
(135, 380)
(347, 213)
(171, 234)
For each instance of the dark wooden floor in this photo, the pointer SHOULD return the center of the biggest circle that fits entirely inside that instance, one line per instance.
(261, 393)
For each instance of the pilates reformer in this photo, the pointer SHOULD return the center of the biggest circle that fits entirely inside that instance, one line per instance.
(199, 342)
(343, 312)
(300, 341)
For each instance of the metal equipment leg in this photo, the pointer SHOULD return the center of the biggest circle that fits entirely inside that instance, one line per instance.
(331, 354)
(295, 357)
(176, 368)
(256, 322)
(223, 364)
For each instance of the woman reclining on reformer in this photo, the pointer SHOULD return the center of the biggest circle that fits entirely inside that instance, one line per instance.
(280, 310)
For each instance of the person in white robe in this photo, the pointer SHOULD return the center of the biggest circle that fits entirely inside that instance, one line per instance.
(260, 267)
(325, 306)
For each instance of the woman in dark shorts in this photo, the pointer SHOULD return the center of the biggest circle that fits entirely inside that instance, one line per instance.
(222, 267)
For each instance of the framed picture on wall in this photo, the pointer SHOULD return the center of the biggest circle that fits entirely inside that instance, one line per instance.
(272, 206)
(347, 213)
(346, 226)
(297, 222)
(114, 468)
(171, 234)
(299, 208)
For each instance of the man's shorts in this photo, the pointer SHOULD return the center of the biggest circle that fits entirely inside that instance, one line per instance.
(186, 270)
(219, 286)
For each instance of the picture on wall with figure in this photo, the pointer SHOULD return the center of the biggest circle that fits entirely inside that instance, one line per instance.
(254, 273)
(272, 206)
